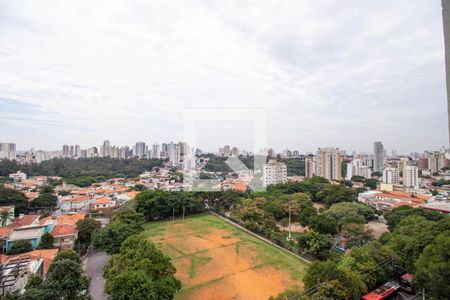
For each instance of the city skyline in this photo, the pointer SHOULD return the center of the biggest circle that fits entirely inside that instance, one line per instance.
(124, 72)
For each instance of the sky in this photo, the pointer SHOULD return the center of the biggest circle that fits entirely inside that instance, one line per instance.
(327, 73)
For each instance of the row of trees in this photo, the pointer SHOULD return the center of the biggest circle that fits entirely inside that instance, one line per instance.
(83, 167)
(418, 242)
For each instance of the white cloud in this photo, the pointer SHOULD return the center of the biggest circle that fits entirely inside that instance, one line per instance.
(340, 73)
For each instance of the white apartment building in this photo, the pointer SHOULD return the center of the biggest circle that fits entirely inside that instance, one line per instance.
(274, 173)
(140, 150)
(411, 176)
(436, 161)
(156, 152)
(357, 168)
(18, 176)
(310, 166)
(402, 164)
(105, 149)
(91, 152)
(329, 163)
(391, 175)
(8, 151)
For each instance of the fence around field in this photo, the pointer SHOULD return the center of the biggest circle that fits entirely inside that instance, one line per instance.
(240, 225)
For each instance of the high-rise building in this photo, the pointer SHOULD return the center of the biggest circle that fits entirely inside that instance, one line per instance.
(235, 151)
(227, 150)
(156, 152)
(404, 161)
(140, 150)
(391, 175)
(446, 22)
(329, 163)
(274, 172)
(8, 151)
(83, 153)
(91, 152)
(105, 149)
(310, 166)
(436, 161)
(378, 157)
(411, 176)
(65, 150)
(77, 151)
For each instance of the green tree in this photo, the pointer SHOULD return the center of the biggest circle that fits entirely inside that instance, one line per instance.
(355, 234)
(34, 281)
(344, 213)
(156, 205)
(371, 183)
(85, 229)
(13, 197)
(307, 212)
(433, 268)
(316, 244)
(45, 200)
(20, 246)
(66, 276)
(140, 271)
(5, 217)
(410, 237)
(129, 217)
(332, 194)
(350, 284)
(396, 215)
(110, 238)
(323, 224)
(68, 254)
(47, 241)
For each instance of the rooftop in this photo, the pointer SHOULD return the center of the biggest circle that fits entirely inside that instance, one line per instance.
(64, 229)
(26, 233)
(70, 219)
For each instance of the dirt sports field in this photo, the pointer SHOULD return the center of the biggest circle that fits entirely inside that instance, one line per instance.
(215, 260)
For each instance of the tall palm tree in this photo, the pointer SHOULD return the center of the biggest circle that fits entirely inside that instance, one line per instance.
(5, 216)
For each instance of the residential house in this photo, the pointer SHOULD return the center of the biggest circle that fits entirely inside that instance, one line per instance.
(103, 203)
(17, 269)
(75, 203)
(32, 234)
(64, 235)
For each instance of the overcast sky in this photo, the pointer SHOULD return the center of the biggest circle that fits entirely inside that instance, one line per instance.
(329, 73)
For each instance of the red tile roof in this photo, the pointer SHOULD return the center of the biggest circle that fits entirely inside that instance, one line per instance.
(70, 219)
(5, 231)
(64, 229)
(25, 220)
(47, 254)
(102, 200)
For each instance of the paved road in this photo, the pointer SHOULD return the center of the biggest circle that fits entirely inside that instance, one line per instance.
(94, 270)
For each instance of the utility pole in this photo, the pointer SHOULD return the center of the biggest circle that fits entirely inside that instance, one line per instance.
(184, 210)
(289, 236)
(173, 214)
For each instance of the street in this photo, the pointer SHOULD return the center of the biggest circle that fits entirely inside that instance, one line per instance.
(94, 264)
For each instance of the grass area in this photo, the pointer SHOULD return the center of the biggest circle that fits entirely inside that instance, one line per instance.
(193, 243)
